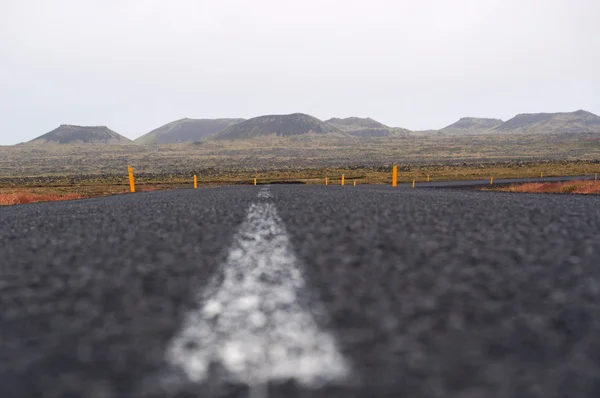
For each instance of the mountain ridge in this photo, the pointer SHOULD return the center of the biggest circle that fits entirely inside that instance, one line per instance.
(74, 134)
(355, 122)
(186, 130)
(471, 125)
(193, 130)
(366, 127)
(279, 125)
(557, 122)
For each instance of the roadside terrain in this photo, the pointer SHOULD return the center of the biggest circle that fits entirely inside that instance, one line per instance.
(79, 161)
(574, 187)
(15, 190)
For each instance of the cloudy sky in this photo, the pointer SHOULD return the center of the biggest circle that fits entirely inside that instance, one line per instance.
(134, 65)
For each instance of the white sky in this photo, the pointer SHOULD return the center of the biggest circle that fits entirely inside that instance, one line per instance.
(134, 65)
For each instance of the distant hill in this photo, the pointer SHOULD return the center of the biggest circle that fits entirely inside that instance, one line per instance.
(366, 127)
(280, 125)
(69, 134)
(186, 130)
(355, 123)
(547, 123)
(471, 125)
(381, 132)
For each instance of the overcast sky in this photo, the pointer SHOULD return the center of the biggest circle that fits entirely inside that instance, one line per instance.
(134, 65)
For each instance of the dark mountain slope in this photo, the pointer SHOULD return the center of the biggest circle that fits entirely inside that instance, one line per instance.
(70, 134)
(186, 130)
(280, 125)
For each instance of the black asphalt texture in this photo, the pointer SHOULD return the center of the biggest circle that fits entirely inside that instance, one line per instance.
(430, 292)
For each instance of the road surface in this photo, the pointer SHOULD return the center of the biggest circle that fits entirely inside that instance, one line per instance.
(302, 291)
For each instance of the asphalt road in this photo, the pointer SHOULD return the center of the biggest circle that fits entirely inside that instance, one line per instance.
(344, 291)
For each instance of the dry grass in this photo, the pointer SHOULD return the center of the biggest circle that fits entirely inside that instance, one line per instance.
(25, 195)
(580, 187)
(20, 198)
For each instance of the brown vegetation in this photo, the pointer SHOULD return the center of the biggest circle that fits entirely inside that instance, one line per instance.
(32, 193)
(18, 198)
(580, 187)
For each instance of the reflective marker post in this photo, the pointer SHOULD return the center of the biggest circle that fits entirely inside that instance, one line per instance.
(131, 180)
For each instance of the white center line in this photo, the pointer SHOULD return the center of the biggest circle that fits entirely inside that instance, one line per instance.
(256, 321)
(264, 193)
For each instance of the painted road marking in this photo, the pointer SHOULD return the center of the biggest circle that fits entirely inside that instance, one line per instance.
(256, 321)
(264, 193)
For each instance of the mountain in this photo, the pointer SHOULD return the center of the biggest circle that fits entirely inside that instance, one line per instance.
(355, 123)
(366, 127)
(280, 125)
(380, 132)
(471, 125)
(186, 130)
(69, 134)
(546, 123)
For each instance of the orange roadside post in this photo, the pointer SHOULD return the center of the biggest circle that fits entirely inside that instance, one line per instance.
(342, 180)
(195, 182)
(395, 176)
(131, 179)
